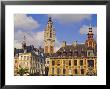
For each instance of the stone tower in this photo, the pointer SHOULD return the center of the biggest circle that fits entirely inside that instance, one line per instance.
(49, 37)
(90, 42)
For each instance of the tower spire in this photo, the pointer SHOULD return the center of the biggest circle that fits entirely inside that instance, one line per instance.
(90, 42)
(50, 19)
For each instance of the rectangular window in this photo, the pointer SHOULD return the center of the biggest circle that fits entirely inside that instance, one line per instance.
(90, 53)
(24, 57)
(58, 63)
(64, 71)
(66, 62)
(90, 63)
(69, 62)
(53, 63)
(52, 71)
(82, 71)
(27, 57)
(58, 71)
(75, 71)
(75, 62)
(21, 57)
(63, 62)
(81, 62)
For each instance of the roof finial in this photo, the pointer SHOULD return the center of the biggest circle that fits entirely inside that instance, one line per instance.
(50, 18)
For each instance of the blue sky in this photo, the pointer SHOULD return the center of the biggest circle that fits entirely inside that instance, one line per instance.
(65, 31)
(68, 27)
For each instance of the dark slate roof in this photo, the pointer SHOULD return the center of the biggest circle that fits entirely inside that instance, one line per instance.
(16, 51)
(29, 49)
(41, 50)
(71, 51)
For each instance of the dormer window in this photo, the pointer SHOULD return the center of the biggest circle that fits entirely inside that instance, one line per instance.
(59, 54)
(64, 54)
(70, 54)
(76, 53)
(90, 53)
(82, 53)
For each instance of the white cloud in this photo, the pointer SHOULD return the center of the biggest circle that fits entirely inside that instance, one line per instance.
(84, 29)
(17, 44)
(36, 39)
(64, 18)
(24, 22)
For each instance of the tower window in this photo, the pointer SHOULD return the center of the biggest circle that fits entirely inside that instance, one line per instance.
(50, 35)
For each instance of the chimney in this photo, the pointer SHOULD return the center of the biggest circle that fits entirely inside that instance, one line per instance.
(74, 43)
(64, 44)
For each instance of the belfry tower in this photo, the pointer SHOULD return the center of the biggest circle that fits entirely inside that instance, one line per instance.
(90, 42)
(49, 37)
